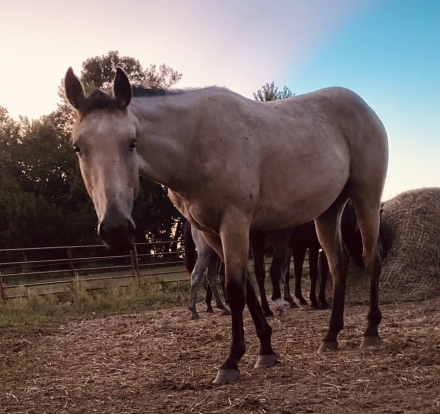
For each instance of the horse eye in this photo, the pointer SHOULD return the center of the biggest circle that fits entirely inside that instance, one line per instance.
(132, 144)
(76, 148)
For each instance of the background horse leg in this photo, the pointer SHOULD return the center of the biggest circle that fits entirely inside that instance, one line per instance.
(299, 254)
(323, 304)
(196, 277)
(221, 274)
(328, 228)
(257, 239)
(212, 280)
(234, 245)
(208, 299)
(313, 267)
(368, 216)
(287, 295)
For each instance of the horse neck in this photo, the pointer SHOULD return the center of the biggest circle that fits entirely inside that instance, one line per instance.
(164, 134)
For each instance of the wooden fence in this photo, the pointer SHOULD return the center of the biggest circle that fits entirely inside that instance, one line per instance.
(51, 270)
(60, 266)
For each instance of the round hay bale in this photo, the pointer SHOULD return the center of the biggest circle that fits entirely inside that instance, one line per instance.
(410, 233)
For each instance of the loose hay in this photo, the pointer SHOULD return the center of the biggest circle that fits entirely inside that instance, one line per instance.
(163, 362)
(411, 239)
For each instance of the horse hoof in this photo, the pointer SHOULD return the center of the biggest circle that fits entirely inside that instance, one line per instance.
(323, 305)
(315, 305)
(268, 314)
(266, 361)
(209, 310)
(303, 302)
(327, 346)
(293, 305)
(195, 317)
(226, 312)
(282, 312)
(225, 376)
(368, 341)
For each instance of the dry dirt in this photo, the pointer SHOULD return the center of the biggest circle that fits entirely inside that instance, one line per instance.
(162, 362)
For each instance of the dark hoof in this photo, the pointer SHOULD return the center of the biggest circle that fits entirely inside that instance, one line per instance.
(226, 312)
(303, 302)
(195, 316)
(369, 341)
(323, 305)
(268, 313)
(293, 305)
(315, 305)
(225, 376)
(266, 361)
(327, 346)
(209, 310)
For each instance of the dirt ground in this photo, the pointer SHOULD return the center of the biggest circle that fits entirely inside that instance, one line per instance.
(162, 362)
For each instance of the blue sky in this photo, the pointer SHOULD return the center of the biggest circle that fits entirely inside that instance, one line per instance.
(388, 51)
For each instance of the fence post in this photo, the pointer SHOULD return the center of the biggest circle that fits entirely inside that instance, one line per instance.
(134, 263)
(71, 268)
(2, 291)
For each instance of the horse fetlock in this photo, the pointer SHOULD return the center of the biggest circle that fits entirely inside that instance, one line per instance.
(226, 376)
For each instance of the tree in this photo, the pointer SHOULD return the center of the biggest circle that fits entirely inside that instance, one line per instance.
(270, 92)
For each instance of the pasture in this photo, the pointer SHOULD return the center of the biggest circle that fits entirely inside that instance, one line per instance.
(161, 361)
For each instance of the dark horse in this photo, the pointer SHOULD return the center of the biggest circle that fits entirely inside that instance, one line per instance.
(220, 156)
(300, 239)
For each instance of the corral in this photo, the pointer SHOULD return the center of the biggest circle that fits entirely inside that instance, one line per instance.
(160, 361)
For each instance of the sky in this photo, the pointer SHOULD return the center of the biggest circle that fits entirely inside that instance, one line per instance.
(387, 51)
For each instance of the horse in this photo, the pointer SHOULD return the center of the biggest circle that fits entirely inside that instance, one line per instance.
(300, 239)
(207, 259)
(232, 164)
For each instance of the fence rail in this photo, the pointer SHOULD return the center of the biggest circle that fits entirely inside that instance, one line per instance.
(65, 265)
(88, 263)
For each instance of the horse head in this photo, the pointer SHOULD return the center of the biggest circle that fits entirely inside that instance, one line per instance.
(104, 138)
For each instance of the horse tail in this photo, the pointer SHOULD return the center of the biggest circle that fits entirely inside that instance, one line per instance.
(190, 248)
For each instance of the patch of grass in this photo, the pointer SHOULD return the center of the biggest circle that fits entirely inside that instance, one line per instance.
(99, 300)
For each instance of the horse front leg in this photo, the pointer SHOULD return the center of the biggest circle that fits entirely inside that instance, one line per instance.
(233, 246)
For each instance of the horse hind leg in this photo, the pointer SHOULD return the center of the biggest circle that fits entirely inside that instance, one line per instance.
(368, 219)
(329, 234)
(212, 280)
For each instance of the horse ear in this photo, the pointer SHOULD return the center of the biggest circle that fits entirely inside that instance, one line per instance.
(73, 89)
(122, 89)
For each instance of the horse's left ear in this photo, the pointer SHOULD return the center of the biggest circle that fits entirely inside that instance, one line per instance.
(122, 89)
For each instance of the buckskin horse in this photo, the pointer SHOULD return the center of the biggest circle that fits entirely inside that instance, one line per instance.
(232, 164)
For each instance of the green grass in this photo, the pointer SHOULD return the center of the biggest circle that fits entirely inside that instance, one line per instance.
(90, 302)
(83, 299)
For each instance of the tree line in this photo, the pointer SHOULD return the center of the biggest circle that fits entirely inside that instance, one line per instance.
(43, 201)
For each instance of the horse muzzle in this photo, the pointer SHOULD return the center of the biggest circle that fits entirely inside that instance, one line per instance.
(118, 233)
